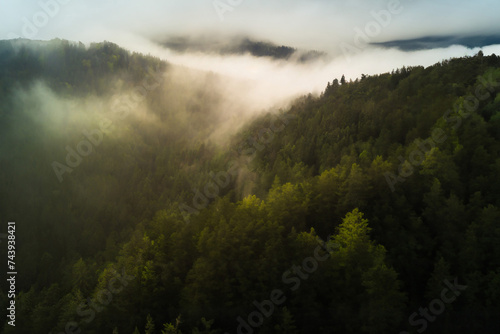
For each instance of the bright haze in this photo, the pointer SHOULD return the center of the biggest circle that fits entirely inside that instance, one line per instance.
(350, 37)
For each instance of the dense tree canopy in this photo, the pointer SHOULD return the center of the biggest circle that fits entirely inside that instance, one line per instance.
(349, 218)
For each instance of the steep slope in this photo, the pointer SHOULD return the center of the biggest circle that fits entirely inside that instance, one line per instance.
(396, 172)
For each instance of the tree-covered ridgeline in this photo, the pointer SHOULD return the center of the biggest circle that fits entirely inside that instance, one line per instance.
(108, 249)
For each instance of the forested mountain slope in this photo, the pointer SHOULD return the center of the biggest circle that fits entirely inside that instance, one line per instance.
(349, 212)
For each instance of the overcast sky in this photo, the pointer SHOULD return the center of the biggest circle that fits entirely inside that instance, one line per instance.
(312, 24)
(343, 28)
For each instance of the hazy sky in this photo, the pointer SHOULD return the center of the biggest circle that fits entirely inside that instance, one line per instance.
(313, 24)
(343, 28)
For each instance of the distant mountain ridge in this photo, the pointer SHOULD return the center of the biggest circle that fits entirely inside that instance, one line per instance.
(432, 42)
(238, 46)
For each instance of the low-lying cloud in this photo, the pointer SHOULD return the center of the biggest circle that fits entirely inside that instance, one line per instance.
(268, 81)
(250, 84)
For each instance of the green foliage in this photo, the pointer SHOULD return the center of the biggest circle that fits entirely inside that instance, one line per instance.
(287, 324)
(150, 325)
(321, 176)
(207, 327)
(172, 329)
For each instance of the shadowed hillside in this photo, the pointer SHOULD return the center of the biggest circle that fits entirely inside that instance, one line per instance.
(148, 199)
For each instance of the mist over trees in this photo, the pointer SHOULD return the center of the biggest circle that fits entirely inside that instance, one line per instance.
(347, 212)
(238, 45)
